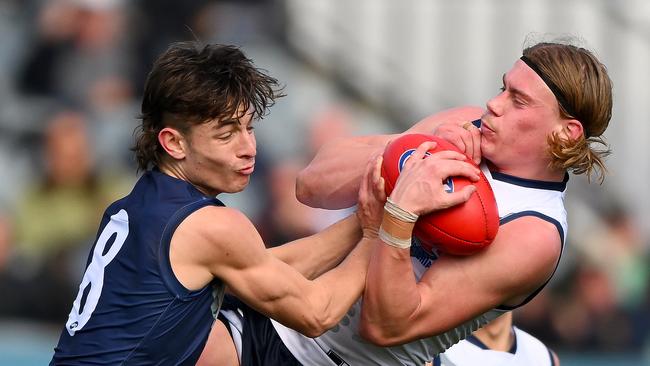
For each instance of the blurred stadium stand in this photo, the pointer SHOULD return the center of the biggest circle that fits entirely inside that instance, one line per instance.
(349, 67)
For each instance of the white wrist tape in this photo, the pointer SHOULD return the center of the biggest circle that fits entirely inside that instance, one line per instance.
(393, 241)
(397, 226)
(398, 212)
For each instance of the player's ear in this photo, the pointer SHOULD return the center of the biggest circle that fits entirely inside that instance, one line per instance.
(572, 129)
(173, 142)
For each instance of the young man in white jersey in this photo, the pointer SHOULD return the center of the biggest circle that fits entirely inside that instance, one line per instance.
(555, 103)
(498, 343)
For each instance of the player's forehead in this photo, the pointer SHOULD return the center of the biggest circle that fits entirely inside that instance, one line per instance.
(524, 80)
(242, 116)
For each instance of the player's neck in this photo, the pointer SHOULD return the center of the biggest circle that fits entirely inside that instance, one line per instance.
(499, 340)
(178, 173)
(497, 335)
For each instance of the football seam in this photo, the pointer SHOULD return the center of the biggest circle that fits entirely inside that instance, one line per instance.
(485, 224)
(457, 238)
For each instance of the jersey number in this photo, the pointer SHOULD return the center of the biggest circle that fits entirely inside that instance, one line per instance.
(93, 280)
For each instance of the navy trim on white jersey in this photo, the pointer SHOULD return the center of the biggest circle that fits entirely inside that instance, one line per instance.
(531, 183)
(550, 355)
(478, 343)
(557, 263)
(540, 215)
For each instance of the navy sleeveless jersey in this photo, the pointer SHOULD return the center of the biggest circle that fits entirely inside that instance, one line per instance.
(130, 308)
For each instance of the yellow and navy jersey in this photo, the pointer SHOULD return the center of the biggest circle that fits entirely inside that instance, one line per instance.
(130, 308)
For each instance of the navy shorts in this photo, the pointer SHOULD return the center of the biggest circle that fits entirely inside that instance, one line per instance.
(260, 343)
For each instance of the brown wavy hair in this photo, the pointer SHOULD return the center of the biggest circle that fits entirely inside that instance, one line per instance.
(191, 84)
(586, 87)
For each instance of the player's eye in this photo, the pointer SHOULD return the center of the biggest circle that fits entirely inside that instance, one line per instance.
(225, 135)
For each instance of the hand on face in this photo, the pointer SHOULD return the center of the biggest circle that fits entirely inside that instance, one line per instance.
(466, 137)
(371, 198)
(420, 187)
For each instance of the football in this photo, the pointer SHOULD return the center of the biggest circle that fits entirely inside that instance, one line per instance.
(459, 230)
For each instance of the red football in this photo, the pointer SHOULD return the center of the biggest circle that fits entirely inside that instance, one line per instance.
(460, 230)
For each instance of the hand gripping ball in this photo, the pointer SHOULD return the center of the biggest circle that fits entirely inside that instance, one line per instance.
(463, 229)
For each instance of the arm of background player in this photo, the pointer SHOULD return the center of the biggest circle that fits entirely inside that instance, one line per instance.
(331, 180)
(397, 309)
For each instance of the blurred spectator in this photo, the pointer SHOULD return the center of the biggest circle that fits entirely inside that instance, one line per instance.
(617, 249)
(284, 219)
(329, 124)
(59, 213)
(78, 44)
(589, 318)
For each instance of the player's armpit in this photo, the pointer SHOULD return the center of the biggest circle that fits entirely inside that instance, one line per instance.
(456, 289)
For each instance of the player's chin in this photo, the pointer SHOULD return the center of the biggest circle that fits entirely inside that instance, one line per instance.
(238, 184)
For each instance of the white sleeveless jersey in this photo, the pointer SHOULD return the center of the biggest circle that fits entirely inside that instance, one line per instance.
(342, 345)
(527, 350)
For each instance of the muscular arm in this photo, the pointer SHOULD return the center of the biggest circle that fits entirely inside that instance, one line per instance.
(332, 178)
(226, 245)
(314, 255)
(455, 289)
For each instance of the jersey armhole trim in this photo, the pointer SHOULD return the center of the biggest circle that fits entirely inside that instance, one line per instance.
(164, 262)
(560, 230)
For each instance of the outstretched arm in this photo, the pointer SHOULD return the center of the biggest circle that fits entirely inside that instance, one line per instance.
(221, 242)
(332, 178)
(316, 254)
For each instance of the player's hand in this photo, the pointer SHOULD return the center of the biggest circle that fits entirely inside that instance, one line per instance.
(465, 136)
(420, 187)
(372, 197)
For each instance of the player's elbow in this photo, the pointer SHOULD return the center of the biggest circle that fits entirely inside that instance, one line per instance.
(306, 188)
(377, 334)
(317, 324)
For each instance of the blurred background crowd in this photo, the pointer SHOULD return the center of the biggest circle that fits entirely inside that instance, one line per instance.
(71, 77)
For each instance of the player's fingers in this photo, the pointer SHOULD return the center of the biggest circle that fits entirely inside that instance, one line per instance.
(456, 139)
(367, 176)
(449, 155)
(475, 133)
(377, 180)
(458, 197)
(421, 151)
(454, 168)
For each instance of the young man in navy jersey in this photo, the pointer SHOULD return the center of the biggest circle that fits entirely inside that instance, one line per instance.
(165, 253)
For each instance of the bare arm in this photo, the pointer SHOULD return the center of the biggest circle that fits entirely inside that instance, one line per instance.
(332, 178)
(316, 254)
(455, 289)
(221, 242)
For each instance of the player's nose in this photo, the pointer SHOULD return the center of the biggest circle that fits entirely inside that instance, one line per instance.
(247, 146)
